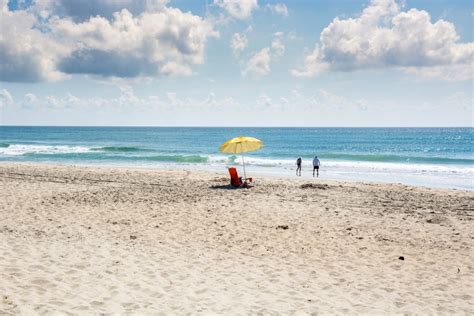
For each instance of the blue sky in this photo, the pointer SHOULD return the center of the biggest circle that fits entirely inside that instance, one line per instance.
(236, 63)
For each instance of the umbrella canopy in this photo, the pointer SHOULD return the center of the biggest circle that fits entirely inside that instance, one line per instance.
(241, 145)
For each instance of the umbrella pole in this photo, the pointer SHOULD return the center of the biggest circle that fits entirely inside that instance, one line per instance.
(243, 162)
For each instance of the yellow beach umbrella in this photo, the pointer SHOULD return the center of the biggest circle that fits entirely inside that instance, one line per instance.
(241, 145)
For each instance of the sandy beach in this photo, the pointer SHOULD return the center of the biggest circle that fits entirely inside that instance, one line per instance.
(101, 240)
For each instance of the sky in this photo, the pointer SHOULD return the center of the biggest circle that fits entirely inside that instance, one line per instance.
(237, 63)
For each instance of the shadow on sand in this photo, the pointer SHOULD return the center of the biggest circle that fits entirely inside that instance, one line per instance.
(227, 187)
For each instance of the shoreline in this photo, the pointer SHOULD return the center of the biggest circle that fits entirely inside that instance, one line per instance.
(110, 240)
(256, 171)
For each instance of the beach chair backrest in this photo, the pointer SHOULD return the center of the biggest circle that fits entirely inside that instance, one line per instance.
(234, 177)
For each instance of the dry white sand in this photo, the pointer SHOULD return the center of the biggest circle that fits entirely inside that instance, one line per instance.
(96, 240)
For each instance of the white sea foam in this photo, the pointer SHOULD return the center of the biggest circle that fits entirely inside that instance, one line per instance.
(17, 149)
(447, 175)
(338, 164)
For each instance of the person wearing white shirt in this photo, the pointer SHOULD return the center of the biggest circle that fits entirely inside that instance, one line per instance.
(316, 164)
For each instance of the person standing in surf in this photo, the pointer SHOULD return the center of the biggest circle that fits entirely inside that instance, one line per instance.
(298, 166)
(316, 164)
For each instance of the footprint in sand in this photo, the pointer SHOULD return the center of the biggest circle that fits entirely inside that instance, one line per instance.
(201, 291)
(130, 306)
(97, 303)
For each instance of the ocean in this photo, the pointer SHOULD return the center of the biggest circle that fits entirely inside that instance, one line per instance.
(433, 157)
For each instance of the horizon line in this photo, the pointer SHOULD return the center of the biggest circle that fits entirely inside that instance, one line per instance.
(220, 126)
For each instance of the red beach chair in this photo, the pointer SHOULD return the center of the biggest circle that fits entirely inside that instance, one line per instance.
(235, 180)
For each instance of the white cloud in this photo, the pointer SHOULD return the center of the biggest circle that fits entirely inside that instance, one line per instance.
(213, 103)
(239, 9)
(83, 10)
(164, 41)
(448, 72)
(462, 100)
(264, 100)
(6, 98)
(175, 69)
(30, 98)
(173, 98)
(53, 102)
(210, 102)
(259, 64)
(295, 93)
(383, 36)
(279, 8)
(126, 99)
(323, 100)
(284, 101)
(292, 36)
(361, 105)
(26, 54)
(278, 47)
(239, 42)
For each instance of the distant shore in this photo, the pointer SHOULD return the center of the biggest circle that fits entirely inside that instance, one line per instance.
(130, 240)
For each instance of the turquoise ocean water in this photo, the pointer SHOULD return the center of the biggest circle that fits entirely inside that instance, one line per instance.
(436, 157)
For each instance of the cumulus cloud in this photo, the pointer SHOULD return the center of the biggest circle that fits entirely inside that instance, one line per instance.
(163, 41)
(259, 64)
(174, 68)
(320, 99)
(462, 100)
(5, 98)
(173, 99)
(167, 42)
(210, 102)
(239, 42)
(239, 9)
(213, 103)
(125, 99)
(459, 72)
(384, 36)
(279, 8)
(30, 98)
(26, 53)
(324, 99)
(84, 9)
(264, 100)
(277, 46)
